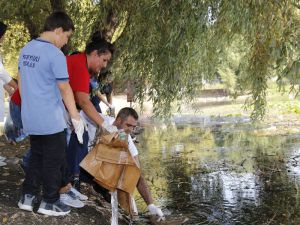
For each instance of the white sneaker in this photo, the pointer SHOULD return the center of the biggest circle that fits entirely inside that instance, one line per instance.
(27, 201)
(78, 195)
(69, 199)
(54, 209)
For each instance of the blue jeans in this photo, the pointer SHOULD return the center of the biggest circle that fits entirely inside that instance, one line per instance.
(15, 113)
(13, 125)
(76, 152)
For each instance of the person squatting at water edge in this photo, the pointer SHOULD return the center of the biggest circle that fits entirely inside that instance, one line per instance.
(126, 121)
(45, 89)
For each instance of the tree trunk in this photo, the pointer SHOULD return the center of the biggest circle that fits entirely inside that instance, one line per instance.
(57, 5)
(111, 25)
(107, 30)
(33, 31)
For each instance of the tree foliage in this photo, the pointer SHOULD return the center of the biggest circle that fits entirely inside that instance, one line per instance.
(168, 48)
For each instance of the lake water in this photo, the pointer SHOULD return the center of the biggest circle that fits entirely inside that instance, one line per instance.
(221, 171)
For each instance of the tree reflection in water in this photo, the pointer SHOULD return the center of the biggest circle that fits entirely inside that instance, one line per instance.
(222, 174)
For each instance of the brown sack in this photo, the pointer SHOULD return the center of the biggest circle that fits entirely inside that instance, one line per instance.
(124, 200)
(90, 162)
(112, 167)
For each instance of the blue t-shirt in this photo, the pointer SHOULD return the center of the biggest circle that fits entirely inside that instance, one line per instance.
(41, 66)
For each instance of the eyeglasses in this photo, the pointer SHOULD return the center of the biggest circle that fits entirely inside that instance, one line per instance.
(130, 125)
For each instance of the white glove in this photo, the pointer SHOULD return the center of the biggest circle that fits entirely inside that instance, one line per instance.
(154, 210)
(109, 128)
(79, 127)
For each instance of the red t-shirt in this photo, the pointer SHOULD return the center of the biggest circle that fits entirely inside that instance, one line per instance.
(79, 76)
(16, 98)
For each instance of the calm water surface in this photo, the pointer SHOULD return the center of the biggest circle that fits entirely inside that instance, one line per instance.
(222, 171)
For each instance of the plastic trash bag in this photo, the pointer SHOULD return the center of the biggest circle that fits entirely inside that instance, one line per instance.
(12, 133)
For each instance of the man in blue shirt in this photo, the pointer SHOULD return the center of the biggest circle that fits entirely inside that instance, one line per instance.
(45, 92)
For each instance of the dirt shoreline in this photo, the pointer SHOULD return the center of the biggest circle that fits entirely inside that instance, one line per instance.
(96, 210)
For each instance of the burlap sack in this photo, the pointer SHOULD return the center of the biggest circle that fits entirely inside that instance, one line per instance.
(124, 200)
(111, 165)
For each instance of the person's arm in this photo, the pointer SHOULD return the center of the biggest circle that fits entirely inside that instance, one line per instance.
(13, 84)
(109, 94)
(144, 191)
(109, 98)
(88, 108)
(8, 89)
(103, 99)
(83, 100)
(6, 78)
(68, 98)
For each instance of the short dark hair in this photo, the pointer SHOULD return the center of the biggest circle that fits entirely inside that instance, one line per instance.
(100, 44)
(58, 19)
(124, 113)
(3, 28)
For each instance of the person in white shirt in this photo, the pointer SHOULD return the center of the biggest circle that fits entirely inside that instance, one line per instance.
(5, 78)
(127, 120)
(4, 75)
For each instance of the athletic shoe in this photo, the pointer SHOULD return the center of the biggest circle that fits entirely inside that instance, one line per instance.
(21, 137)
(27, 201)
(70, 199)
(54, 209)
(78, 195)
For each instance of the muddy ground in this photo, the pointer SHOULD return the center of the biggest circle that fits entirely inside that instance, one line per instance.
(96, 210)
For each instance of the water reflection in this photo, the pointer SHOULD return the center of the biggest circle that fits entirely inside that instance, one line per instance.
(222, 172)
(293, 165)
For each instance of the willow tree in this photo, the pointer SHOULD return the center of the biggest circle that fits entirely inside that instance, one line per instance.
(172, 46)
(169, 47)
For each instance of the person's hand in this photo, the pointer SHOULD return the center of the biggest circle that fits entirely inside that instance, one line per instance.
(79, 127)
(111, 110)
(154, 210)
(110, 106)
(109, 128)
